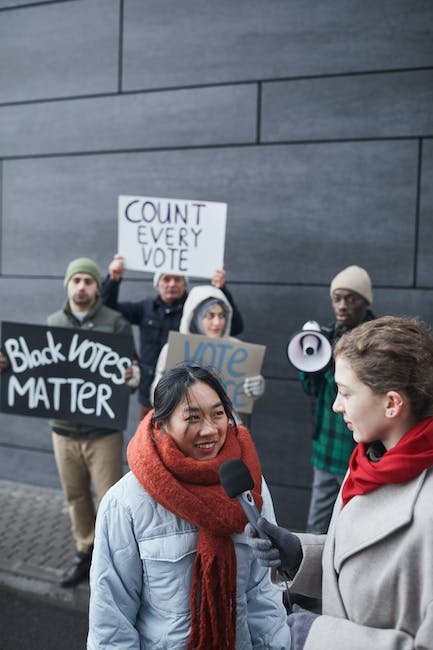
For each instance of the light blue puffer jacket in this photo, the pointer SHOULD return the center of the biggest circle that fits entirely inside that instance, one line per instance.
(141, 578)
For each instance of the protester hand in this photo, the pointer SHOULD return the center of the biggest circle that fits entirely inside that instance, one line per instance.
(219, 278)
(282, 550)
(116, 268)
(300, 622)
(132, 375)
(254, 386)
(4, 362)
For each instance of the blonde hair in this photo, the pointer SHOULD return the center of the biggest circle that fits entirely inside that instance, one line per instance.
(393, 353)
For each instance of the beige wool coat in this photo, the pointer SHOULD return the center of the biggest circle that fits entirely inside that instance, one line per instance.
(374, 570)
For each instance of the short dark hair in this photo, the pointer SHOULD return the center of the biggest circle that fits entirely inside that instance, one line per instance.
(175, 383)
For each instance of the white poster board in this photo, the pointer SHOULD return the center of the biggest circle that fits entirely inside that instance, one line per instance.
(233, 361)
(178, 236)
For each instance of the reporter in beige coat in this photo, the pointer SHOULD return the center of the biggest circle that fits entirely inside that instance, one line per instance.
(374, 568)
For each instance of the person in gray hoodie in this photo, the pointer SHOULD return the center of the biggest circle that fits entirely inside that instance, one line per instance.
(208, 312)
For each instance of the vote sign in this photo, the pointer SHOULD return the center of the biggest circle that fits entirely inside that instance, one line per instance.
(66, 374)
(231, 359)
(176, 236)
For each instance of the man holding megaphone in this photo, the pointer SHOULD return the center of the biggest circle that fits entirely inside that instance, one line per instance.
(310, 351)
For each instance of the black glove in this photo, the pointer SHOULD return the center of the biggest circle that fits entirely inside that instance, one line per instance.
(300, 622)
(282, 549)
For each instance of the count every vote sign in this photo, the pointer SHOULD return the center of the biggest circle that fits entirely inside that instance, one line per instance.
(178, 236)
(65, 374)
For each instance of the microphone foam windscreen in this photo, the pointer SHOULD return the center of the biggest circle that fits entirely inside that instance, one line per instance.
(235, 477)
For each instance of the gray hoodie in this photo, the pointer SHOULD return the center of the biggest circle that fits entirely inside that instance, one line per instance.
(196, 296)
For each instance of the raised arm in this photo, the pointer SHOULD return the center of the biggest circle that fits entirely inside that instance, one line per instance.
(132, 311)
(219, 281)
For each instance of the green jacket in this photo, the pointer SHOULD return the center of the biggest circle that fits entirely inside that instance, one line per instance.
(333, 442)
(100, 319)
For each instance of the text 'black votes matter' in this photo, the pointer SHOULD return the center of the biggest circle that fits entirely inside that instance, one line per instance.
(61, 373)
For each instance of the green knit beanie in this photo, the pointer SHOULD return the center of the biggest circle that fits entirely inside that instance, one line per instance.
(83, 265)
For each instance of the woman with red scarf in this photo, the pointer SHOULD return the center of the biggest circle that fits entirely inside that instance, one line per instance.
(374, 568)
(172, 568)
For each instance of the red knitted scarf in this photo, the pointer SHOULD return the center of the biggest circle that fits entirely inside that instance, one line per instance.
(411, 455)
(191, 490)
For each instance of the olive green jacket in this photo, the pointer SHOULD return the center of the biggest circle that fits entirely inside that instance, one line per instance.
(99, 319)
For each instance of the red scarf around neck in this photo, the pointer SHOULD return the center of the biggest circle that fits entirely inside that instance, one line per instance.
(191, 490)
(411, 455)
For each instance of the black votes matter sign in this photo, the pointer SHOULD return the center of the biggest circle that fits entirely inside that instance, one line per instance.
(67, 374)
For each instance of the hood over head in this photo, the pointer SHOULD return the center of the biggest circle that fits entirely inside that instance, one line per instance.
(196, 297)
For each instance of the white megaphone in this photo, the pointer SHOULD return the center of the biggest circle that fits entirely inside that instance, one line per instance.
(309, 350)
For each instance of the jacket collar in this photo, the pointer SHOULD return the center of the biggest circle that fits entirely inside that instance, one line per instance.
(336, 333)
(380, 520)
(90, 314)
(176, 306)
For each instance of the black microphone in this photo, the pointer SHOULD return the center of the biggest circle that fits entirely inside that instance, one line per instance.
(237, 482)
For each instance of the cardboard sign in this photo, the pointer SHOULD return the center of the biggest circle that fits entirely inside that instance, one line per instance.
(233, 361)
(66, 374)
(175, 236)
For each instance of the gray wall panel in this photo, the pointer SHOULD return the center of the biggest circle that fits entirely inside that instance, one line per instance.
(10, 4)
(197, 42)
(201, 116)
(282, 423)
(29, 300)
(27, 466)
(25, 432)
(425, 239)
(296, 207)
(281, 429)
(290, 504)
(272, 317)
(362, 106)
(410, 303)
(57, 50)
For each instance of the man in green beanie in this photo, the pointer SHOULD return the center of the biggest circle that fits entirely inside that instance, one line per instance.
(87, 454)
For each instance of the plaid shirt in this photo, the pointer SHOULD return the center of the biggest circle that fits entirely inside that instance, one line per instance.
(333, 442)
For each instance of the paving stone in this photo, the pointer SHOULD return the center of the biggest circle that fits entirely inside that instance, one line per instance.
(36, 542)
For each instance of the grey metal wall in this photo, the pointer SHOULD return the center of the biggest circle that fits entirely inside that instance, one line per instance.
(312, 120)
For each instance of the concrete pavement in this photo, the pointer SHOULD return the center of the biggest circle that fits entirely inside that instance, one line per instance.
(36, 543)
